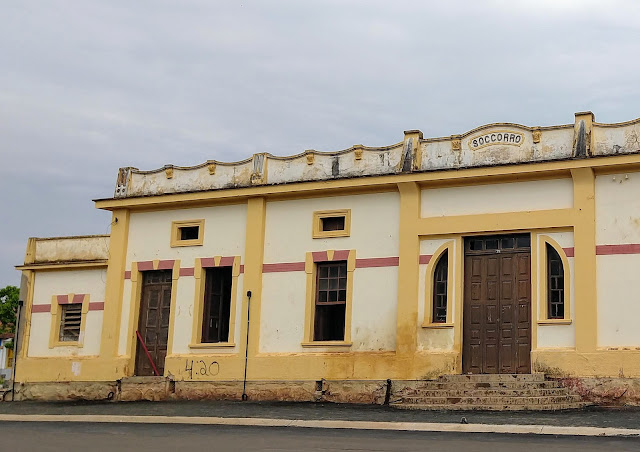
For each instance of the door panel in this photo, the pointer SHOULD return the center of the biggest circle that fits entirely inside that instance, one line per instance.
(497, 305)
(153, 325)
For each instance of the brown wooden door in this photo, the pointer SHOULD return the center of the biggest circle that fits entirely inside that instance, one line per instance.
(497, 305)
(155, 307)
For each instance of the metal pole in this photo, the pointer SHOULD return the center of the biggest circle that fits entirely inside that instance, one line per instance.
(246, 348)
(15, 351)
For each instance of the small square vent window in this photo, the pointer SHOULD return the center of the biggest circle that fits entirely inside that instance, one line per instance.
(187, 233)
(331, 223)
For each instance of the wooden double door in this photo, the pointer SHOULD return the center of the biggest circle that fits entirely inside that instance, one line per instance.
(153, 324)
(497, 305)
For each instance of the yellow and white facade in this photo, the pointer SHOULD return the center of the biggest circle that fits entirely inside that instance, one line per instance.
(572, 187)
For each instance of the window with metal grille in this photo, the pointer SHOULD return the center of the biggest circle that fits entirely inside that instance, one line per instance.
(70, 321)
(217, 304)
(440, 281)
(555, 284)
(331, 301)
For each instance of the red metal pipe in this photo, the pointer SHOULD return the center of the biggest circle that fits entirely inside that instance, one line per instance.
(144, 347)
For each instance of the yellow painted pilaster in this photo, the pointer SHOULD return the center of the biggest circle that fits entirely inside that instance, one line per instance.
(586, 315)
(115, 283)
(253, 258)
(30, 276)
(408, 269)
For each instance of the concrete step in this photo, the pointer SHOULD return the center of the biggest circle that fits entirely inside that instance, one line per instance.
(500, 407)
(486, 392)
(440, 385)
(488, 401)
(492, 378)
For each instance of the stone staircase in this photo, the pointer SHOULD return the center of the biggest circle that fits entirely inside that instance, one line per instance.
(495, 392)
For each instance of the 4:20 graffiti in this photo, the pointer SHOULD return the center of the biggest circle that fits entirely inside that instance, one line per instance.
(201, 368)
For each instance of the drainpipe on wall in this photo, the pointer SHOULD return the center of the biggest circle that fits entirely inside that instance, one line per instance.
(15, 350)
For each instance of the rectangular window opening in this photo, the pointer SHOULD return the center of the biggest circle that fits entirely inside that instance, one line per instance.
(331, 301)
(189, 232)
(217, 305)
(333, 223)
(70, 321)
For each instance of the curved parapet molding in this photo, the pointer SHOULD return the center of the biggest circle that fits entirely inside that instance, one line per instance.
(498, 144)
(263, 168)
(617, 138)
(487, 145)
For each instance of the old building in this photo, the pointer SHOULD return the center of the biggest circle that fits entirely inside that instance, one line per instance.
(505, 250)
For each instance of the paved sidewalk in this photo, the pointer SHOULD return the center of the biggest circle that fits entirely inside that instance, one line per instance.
(627, 418)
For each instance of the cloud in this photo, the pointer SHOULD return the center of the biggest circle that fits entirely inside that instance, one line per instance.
(88, 87)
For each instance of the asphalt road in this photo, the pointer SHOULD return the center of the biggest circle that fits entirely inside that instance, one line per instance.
(35, 436)
(628, 417)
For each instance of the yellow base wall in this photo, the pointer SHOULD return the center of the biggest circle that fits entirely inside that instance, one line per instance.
(317, 366)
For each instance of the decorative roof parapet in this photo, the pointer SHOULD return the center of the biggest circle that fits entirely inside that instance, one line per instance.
(487, 145)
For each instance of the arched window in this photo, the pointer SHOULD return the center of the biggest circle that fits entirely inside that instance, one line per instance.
(440, 276)
(555, 284)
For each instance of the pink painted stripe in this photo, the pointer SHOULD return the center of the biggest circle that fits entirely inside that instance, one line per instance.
(377, 262)
(145, 266)
(241, 268)
(96, 306)
(78, 298)
(425, 258)
(341, 255)
(207, 262)
(166, 265)
(187, 271)
(568, 251)
(227, 261)
(283, 267)
(628, 248)
(320, 256)
(127, 274)
(62, 299)
(41, 308)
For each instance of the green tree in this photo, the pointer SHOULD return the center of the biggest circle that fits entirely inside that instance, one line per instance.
(8, 308)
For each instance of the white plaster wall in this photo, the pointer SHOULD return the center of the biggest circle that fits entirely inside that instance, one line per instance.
(617, 209)
(150, 239)
(282, 312)
(150, 234)
(556, 336)
(618, 285)
(375, 309)
(373, 320)
(496, 198)
(184, 319)
(430, 338)
(288, 236)
(47, 284)
(375, 225)
(618, 288)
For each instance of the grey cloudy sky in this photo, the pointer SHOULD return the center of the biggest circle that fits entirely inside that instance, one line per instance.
(89, 86)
